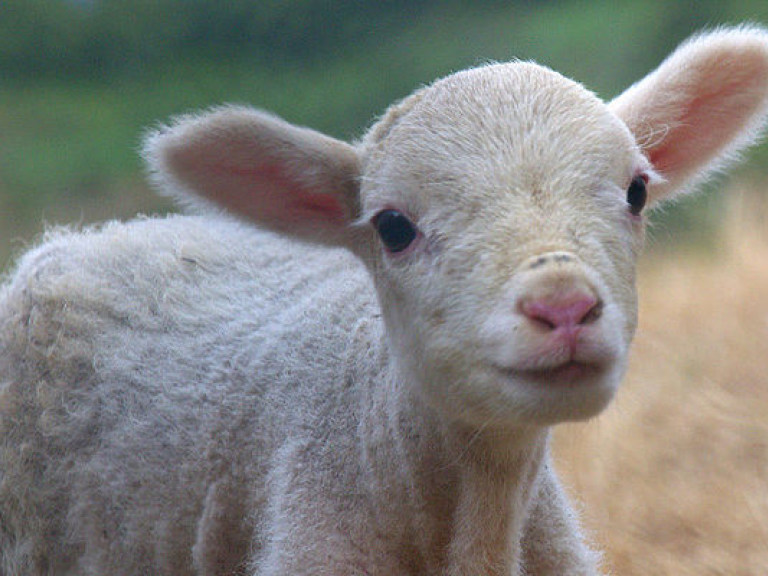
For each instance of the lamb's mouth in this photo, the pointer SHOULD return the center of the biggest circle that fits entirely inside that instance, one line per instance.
(572, 373)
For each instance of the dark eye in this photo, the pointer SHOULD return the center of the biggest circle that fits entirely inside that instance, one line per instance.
(395, 230)
(637, 195)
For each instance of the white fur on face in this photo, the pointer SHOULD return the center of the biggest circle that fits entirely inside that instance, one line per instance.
(499, 166)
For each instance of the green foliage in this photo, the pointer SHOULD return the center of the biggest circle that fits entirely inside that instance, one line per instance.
(89, 38)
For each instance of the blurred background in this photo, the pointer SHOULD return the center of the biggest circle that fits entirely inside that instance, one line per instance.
(673, 479)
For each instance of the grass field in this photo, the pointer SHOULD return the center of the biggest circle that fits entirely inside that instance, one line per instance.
(673, 478)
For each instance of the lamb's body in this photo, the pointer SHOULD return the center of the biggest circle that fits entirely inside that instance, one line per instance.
(124, 317)
(193, 396)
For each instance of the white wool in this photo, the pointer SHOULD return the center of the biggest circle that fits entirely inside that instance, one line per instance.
(202, 395)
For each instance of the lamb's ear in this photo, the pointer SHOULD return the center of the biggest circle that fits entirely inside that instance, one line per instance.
(281, 176)
(705, 103)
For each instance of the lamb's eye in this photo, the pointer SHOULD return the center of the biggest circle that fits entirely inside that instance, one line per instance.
(637, 194)
(395, 230)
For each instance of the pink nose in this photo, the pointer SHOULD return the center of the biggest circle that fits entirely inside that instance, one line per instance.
(567, 311)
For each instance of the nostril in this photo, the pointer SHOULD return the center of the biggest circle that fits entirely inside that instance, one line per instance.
(593, 313)
(563, 312)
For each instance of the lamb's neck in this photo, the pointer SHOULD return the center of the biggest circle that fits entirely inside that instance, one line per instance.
(470, 488)
(496, 482)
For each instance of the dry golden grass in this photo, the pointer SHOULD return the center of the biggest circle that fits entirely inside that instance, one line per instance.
(673, 479)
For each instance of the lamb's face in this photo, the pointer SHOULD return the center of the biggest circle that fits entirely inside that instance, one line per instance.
(506, 243)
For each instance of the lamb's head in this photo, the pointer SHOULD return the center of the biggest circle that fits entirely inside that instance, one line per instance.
(500, 212)
(515, 295)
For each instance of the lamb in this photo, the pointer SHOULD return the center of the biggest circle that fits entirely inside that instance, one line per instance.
(363, 382)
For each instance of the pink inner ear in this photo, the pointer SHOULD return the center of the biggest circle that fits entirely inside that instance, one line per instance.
(708, 121)
(695, 138)
(271, 194)
(318, 204)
